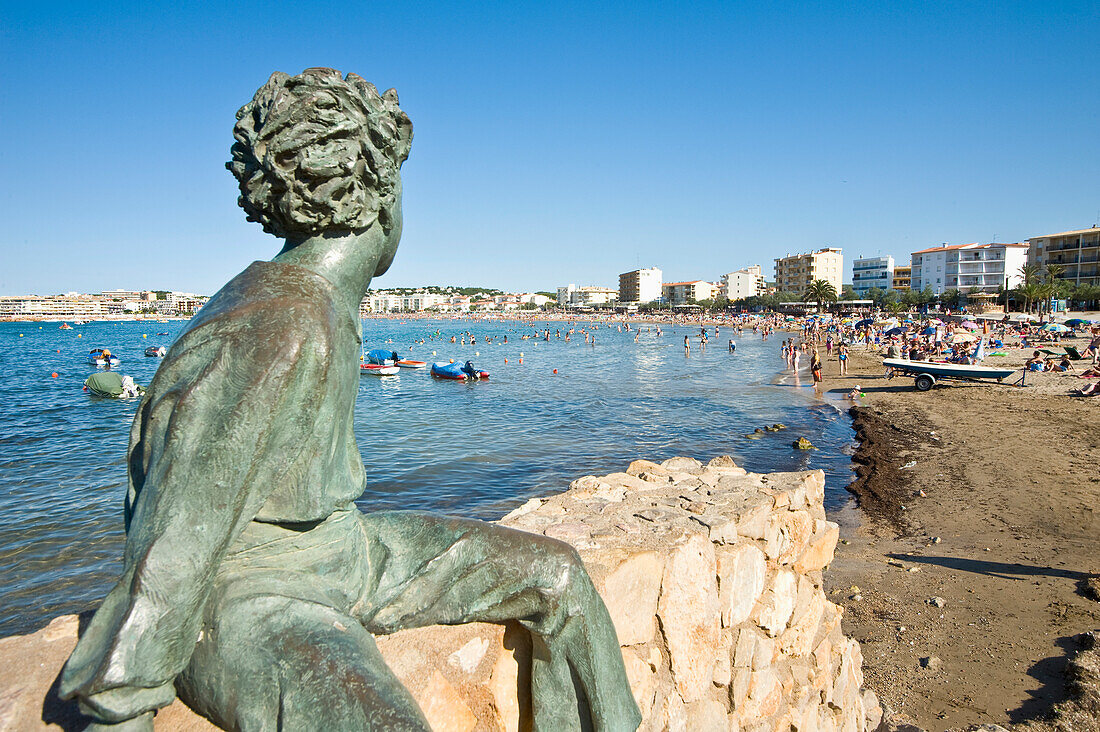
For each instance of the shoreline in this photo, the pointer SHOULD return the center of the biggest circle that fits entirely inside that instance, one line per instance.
(978, 509)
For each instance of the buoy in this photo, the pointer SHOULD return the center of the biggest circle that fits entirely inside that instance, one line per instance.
(521, 354)
(505, 360)
(20, 335)
(59, 350)
(433, 353)
(79, 335)
(144, 335)
(53, 375)
(477, 353)
(452, 360)
(555, 371)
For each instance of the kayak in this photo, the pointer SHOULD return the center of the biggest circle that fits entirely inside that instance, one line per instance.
(407, 364)
(454, 371)
(375, 369)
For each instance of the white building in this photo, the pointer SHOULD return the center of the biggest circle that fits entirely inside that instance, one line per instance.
(966, 267)
(869, 272)
(388, 302)
(572, 296)
(743, 283)
(686, 293)
(640, 286)
(794, 272)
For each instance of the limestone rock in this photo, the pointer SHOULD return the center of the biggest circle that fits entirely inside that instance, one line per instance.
(741, 575)
(638, 467)
(630, 592)
(820, 549)
(444, 707)
(682, 465)
(777, 603)
(688, 610)
(706, 714)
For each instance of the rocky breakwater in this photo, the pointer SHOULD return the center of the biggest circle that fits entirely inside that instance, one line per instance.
(713, 577)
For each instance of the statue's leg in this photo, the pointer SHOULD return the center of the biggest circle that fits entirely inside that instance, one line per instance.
(451, 571)
(275, 663)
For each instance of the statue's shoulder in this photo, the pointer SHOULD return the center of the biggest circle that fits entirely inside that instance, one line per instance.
(273, 296)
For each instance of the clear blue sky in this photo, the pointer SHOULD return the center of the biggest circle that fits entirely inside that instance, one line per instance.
(555, 142)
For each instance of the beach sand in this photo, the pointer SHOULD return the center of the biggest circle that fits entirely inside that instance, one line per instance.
(987, 497)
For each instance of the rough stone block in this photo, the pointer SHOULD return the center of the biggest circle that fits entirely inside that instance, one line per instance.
(630, 592)
(741, 576)
(777, 603)
(820, 549)
(682, 465)
(688, 609)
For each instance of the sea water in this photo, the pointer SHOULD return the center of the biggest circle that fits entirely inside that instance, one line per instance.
(475, 449)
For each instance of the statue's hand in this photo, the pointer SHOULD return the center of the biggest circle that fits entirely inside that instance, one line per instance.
(141, 723)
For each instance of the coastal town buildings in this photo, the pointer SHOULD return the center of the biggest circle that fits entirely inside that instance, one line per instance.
(109, 305)
(903, 275)
(742, 283)
(1077, 252)
(968, 267)
(572, 296)
(687, 293)
(793, 273)
(871, 272)
(640, 285)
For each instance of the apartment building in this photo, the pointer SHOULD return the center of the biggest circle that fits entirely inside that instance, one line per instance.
(984, 267)
(793, 273)
(870, 272)
(388, 302)
(743, 283)
(640, 285)
(1077, 252)
(686, 293)
(903, 277)
(572, 296)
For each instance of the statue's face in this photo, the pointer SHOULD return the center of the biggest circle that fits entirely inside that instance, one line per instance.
(389, 248)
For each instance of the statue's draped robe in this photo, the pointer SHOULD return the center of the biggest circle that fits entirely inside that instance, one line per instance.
(249, 418)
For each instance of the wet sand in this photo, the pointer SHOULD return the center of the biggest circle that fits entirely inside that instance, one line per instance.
(986, 497)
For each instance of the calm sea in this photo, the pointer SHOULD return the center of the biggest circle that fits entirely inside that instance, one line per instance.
(477, 449)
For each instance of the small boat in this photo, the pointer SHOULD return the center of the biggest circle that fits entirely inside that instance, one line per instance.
(927, 373)
(64, 326)
(95, 358)
(455, 372)
(155, 351)
(382, 357)
(409, 364)
(112, 384)
(377, 369)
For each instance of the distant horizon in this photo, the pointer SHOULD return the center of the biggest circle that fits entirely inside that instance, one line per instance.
(560, 142)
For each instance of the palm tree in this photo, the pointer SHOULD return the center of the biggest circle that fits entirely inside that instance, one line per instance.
(820, 291)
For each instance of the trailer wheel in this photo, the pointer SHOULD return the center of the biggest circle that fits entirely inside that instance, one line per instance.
(925, 382)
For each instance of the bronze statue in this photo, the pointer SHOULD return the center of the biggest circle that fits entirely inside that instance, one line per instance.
(252, 585)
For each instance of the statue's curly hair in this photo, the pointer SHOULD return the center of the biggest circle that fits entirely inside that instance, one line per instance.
(319, 153)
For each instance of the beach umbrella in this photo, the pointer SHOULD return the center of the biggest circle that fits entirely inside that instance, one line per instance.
(935, 321)
(928, 331)
(1055, 328)
(969, 325)
(1078, 322)
(964, 337)
(864, 323)
(895, 331)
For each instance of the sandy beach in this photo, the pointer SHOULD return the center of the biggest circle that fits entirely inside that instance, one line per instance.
(977, 530)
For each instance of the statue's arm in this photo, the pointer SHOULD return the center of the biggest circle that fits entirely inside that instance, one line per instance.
(212, 451)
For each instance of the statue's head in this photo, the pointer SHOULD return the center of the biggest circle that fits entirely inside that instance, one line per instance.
(320, 154)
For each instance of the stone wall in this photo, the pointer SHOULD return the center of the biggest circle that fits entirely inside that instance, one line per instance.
(712, 576)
